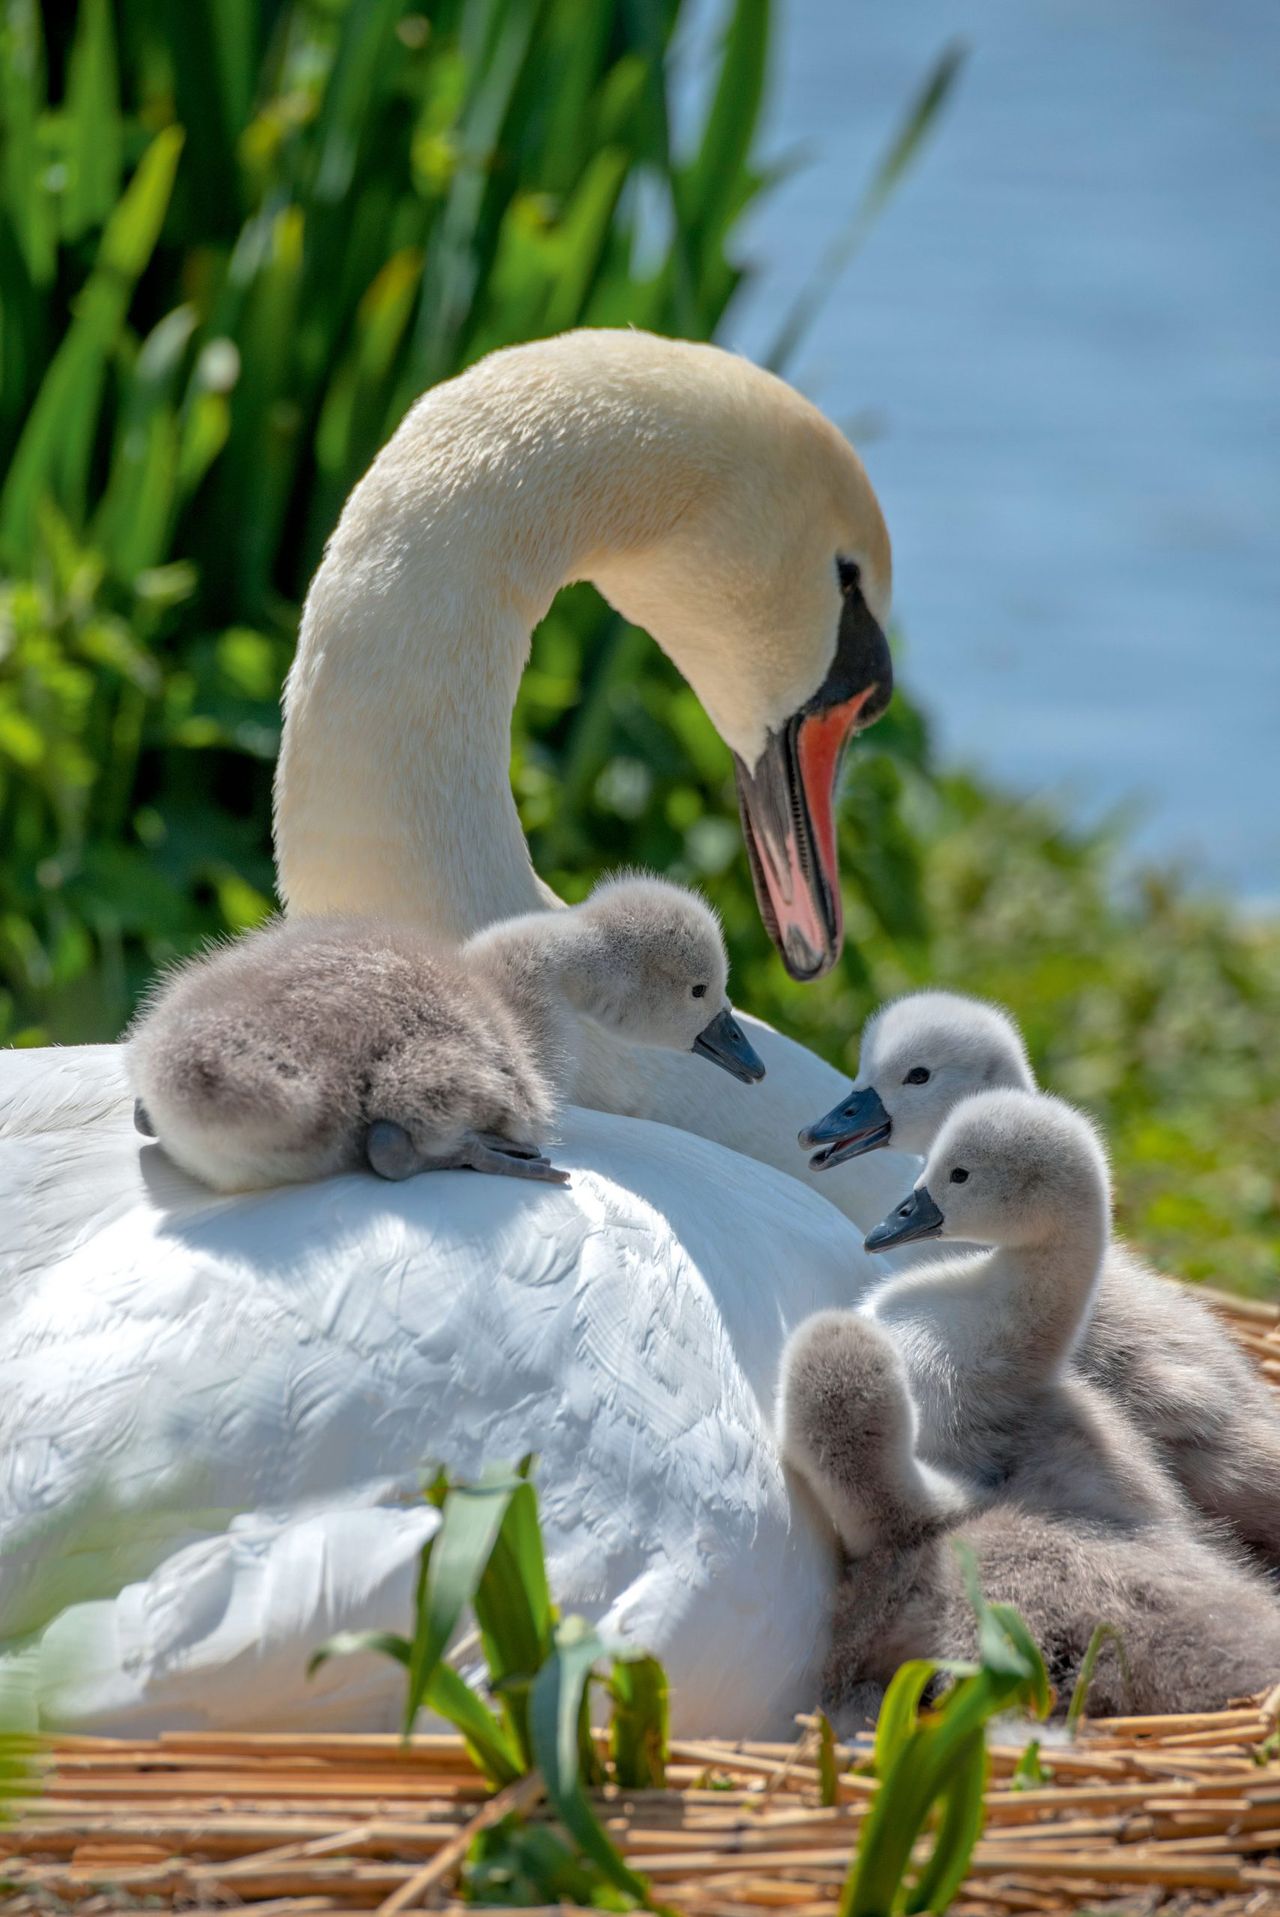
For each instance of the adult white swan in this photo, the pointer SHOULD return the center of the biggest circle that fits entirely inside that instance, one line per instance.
(228, 1399)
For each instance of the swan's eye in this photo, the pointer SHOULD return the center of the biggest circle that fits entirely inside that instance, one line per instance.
(699, 991)
(959, 1175)
(850, 575)
(918, 1075)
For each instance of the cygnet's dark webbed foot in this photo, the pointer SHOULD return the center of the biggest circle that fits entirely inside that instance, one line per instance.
(392, 1154)
(142, 1119)
(508, 1157)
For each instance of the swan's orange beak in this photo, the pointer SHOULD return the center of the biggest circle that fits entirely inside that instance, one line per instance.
(787, 803)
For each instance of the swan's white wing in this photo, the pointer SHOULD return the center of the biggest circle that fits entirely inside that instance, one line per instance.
(186, 1360)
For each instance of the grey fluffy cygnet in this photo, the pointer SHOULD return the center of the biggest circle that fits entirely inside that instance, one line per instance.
(321, 1045)
(1157, 1352)
(949, 1414)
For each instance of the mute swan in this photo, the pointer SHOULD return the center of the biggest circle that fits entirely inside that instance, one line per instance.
(711, 505)
(1159, 1354)
(945, 1410)
(320, 1045)
(240, 1382)
(1197, 1628)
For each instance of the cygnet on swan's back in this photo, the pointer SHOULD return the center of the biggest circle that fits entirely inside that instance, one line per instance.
(1156, 1350)
(320, 1045)
(946, 1410)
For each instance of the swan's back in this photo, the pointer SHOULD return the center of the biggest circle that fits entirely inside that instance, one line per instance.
(235, 1376)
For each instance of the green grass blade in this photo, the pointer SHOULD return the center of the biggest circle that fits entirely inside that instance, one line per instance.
(900, 1710)
(958, 1830)
(1102, 1634)
(512, 1603)
(556, 1704)
(132, 525)
(22, 99)
(460, 1550)
(486, 1739)
(354, 1643)
(639, 1725)
(828, 1773)
(94, 129)
(346, 117)
(919, 118)
(56, 446)
(714, 179)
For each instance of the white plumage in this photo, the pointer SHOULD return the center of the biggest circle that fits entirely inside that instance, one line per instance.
(224, 1403)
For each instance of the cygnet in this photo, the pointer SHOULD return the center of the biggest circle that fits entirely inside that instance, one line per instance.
(322, 1045)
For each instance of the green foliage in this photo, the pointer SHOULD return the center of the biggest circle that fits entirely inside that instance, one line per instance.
(487, 1555)
(935, 1761)
(1101, 1636)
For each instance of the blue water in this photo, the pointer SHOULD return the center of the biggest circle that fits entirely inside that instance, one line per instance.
(1060, 352)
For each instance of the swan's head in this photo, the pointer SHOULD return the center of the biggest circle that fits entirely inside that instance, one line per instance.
(764, 571)
(653, 969)
(919, 1056)
(1009, 1168)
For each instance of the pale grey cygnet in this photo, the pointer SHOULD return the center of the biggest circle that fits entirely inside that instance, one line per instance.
(987, 1336)
(947, 1410)
(321, 1045)
(1157, 1352)
(1197, 1627)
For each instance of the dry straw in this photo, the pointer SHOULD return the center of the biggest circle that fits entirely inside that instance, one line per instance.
(1135, 1811)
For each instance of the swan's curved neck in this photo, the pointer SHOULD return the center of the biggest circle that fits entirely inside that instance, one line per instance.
(393, 791)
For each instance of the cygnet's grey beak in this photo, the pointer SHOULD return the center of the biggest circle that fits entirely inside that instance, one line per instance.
(142, 1119)
(725, 1043)
(918, 1218)
(860, 1124)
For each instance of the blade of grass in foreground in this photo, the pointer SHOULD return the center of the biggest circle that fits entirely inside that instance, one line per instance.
(903, 149)
(555, 1718)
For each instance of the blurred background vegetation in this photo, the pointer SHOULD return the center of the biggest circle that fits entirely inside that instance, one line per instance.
(236, 240)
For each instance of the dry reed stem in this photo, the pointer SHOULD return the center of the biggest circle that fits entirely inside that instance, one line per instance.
(294, 1826)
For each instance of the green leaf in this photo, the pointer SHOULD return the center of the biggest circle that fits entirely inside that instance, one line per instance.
(916, 123)
(486, 1738)
(639, 1721)
(1102, 1634)
(54, 452)
(957, 1833)
(713, 182)
(355, 1643)
(447, 1694)
(22, 99)
(556, 1704)
(470, 1521)
(899, 1710)
(95, 131)
(828, 1774)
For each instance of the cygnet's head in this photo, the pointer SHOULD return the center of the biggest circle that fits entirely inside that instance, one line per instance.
(1008, 1168)
(768, 580)
(919, 1056)
(655, 971)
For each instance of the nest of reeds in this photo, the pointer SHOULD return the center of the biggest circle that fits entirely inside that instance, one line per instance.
(1131, 1814)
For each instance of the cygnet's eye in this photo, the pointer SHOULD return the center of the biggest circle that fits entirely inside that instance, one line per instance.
(918, 1075)
(850, 575)
(959, 1175)
(699, 991)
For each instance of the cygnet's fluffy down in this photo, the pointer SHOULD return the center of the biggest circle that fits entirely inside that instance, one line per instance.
(1158, 1353)
(1198, 1629)
(321, 1045)
(949, 1409)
